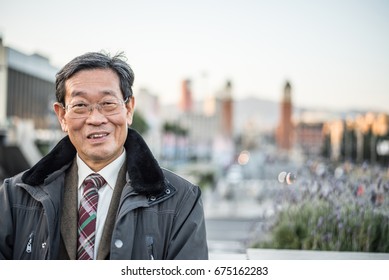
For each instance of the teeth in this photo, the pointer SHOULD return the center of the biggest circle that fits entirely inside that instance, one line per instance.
(93, 136)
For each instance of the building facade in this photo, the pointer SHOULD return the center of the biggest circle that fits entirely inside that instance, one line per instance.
(28, 125)
(27, 88)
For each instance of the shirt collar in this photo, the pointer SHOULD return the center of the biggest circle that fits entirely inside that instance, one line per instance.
(109, 173)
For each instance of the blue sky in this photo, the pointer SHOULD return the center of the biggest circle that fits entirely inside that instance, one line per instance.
(334, 53)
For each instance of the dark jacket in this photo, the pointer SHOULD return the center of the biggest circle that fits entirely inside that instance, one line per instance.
(154, 213)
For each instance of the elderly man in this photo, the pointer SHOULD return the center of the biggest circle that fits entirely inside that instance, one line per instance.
(100, 193)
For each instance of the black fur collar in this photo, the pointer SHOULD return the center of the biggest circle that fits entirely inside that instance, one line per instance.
(144, 172)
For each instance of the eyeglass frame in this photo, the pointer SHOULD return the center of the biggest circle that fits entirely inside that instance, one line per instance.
(92, 106)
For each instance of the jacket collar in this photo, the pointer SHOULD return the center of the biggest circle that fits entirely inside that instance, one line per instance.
(143, 170)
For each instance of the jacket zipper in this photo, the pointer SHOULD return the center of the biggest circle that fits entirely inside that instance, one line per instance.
(29, 243)
(150, 243)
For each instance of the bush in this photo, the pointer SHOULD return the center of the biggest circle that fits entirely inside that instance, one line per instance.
(322, 225)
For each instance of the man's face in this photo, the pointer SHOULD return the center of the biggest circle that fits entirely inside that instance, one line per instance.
(98, 138)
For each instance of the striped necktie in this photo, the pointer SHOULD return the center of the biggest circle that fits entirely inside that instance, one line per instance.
(87, 217)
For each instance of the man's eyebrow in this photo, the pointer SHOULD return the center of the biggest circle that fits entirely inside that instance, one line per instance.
(83, 93)
(77, 93)
(108, 92)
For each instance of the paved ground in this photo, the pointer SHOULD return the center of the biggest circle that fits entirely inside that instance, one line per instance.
(231, 223)
(243, 206)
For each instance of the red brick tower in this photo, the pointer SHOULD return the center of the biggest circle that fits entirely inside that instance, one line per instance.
(284, 134)
(227, 111)
(186, 97)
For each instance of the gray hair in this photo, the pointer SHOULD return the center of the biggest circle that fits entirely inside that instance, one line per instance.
(96, 60)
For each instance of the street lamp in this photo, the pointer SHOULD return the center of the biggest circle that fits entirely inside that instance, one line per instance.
(350, 125)
(362, 127)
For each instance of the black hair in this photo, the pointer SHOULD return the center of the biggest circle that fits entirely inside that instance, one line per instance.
(96, 60)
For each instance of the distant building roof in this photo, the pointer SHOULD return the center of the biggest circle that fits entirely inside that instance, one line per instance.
(35, 64)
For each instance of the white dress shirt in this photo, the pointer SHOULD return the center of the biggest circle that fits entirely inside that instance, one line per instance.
(110, 174)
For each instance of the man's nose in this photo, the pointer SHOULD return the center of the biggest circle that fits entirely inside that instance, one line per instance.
(95, 114)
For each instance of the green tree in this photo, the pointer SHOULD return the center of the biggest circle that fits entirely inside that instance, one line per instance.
(139, 123)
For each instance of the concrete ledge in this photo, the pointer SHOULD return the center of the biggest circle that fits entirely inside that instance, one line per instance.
(272, 254)
(225, 256)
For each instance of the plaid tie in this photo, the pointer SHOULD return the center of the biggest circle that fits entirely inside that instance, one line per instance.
(87, 217)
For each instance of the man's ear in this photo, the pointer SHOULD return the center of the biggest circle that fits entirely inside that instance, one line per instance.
(130, 106)
(60, 112)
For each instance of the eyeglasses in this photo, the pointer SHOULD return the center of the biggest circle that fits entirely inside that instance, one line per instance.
(109, 107)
